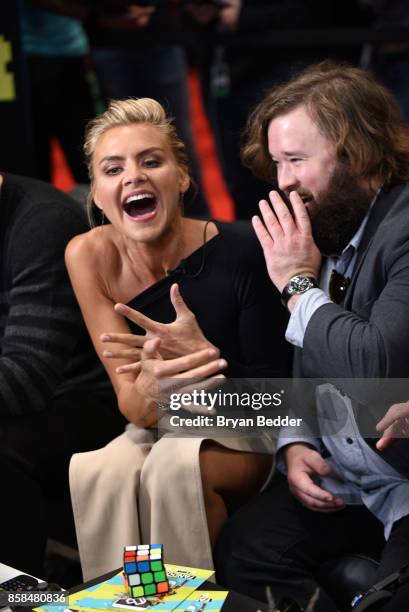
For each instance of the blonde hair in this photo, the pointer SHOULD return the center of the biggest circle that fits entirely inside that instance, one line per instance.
(357, 114)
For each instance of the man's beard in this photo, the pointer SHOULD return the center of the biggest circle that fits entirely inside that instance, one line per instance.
(339, 211)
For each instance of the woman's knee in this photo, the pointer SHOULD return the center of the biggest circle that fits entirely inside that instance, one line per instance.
(224, 470)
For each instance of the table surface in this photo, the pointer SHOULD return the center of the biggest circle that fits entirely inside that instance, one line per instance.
(235, 602)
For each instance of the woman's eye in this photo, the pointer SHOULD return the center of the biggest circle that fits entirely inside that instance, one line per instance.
(151, 163)
(112, 170)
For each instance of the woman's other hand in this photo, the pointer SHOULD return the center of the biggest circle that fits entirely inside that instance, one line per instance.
(139, 401)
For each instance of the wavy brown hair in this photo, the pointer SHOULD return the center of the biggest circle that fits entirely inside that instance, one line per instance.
(350, 108)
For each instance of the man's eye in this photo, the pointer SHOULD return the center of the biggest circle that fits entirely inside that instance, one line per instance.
(112, 170)
(295, 160)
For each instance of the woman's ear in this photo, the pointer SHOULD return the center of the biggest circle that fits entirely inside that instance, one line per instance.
(94, 199)
(184, 182)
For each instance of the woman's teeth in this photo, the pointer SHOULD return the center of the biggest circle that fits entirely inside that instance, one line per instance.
(140, 204)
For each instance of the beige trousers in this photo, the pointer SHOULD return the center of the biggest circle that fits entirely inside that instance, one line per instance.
(135, 490)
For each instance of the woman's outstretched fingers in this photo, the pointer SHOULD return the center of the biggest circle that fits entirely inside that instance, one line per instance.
(178, 302)
(151, 349)
(128, 339)
(137, 317)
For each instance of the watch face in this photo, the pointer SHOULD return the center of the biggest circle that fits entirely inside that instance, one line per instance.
(299, 284)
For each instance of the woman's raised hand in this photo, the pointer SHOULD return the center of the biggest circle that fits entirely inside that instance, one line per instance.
(181, 337)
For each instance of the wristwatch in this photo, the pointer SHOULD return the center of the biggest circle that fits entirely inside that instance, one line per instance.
(296, 286)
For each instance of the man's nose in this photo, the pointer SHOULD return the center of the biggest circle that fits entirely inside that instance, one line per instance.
(286, 179)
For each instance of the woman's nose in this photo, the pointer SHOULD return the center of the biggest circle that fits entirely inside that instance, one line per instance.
(135, 174)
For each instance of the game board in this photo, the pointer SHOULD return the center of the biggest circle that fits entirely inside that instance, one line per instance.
(203, 601)
(112, 594)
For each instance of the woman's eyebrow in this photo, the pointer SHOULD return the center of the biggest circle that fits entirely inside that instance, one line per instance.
(121, 157)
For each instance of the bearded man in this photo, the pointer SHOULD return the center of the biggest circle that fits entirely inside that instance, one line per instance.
(337, 248)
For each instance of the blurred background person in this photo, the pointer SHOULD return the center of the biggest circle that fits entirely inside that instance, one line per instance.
(389, 61)
(237, 74)
(59, 81)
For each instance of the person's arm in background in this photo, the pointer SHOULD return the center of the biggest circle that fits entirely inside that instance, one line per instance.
(41, 319)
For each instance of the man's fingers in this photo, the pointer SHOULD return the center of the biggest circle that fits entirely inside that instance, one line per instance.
(317, 464)
(319, 506)
(306, 485)
(395, 412)
(129, 339)
(302, 482)
(137, 317)
(301, 215)
(262, 234)
(270, 219)
(395, 424)
(282, 212)
(384, 442)
(398, 429)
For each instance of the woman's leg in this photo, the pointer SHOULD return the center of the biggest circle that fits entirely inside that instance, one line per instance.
(229, 478)
(104, 491)
(180, 489)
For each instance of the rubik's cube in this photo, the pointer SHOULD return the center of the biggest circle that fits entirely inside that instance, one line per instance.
(144, 570)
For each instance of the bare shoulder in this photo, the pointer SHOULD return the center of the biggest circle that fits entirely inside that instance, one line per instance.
(95, 250)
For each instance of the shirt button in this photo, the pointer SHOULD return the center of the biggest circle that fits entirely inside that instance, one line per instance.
(349, 440)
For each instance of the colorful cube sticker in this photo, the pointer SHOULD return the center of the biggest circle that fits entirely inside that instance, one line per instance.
(144, 570)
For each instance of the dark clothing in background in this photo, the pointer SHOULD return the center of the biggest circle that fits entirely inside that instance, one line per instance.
(61, 105)
(55, 398)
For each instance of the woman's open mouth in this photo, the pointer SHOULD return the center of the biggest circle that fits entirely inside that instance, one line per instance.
(140, 206)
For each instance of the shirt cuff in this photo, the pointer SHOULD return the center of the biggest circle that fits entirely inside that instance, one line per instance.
(302, 313)
(283, 442)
